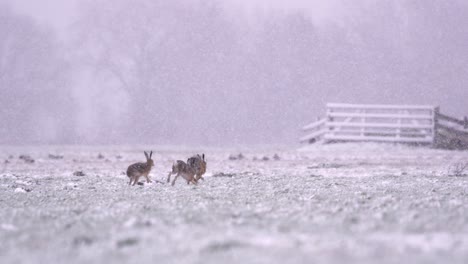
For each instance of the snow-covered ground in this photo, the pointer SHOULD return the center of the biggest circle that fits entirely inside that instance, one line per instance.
(348, 203)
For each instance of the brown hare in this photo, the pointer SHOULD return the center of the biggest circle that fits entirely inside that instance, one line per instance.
(135, 171)
(199, 163)
(181, 168)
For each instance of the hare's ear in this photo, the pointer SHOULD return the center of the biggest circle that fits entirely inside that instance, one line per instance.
(146, 154)
(203, 156)
(151, 154)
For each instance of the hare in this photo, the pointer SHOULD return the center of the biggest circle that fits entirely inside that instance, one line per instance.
(135, 171)
(182, 169)
(199, 163)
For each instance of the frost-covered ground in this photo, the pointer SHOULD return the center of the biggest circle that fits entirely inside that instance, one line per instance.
(325, 204)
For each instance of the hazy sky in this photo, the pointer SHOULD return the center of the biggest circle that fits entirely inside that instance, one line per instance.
(60, 13)
(248, 70)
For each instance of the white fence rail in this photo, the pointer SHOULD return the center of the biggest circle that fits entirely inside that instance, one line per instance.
(386, 123)
(315, 131)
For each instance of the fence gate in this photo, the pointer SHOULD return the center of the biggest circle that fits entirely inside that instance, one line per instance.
(420, 124)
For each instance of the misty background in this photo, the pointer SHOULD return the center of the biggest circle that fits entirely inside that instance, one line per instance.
(220, 73)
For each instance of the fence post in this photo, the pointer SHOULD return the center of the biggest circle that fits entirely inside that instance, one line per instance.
(329, 120)
(363, 121)
(398, 130)
(435, 118)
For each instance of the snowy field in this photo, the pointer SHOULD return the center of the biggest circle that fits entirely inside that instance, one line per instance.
(349, 203)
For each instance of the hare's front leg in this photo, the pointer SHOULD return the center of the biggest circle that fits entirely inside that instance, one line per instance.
(147, 178)
(175, 178)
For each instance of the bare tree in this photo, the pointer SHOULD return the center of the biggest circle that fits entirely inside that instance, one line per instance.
(189, 71)
(163, 56)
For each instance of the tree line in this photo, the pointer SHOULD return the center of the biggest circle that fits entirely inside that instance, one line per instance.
(197, 73)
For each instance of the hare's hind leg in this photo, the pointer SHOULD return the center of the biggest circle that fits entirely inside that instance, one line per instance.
(132, 179)
(191, 179)
(198, 177)
(135, 179)
(169, 177)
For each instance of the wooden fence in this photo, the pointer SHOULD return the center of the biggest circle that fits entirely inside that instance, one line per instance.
(418, 124)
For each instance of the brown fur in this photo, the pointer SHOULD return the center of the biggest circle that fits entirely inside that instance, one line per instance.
(181, 168)
(199, 163)
(136, 170)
